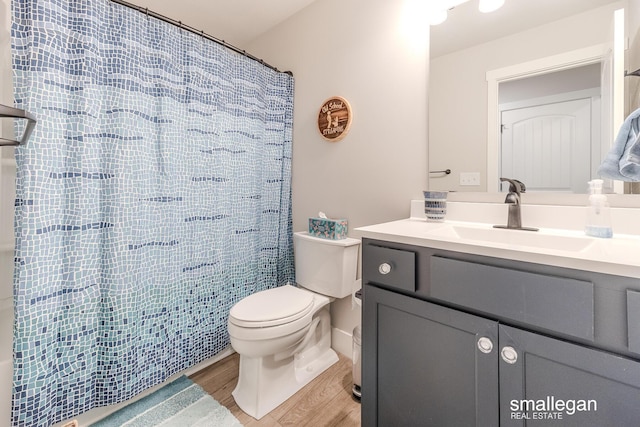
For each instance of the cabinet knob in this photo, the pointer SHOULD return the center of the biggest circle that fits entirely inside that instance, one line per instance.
(509, 355)
(485, 345)
(384, 268)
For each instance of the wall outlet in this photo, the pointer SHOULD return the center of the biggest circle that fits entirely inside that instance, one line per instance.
(469, 178)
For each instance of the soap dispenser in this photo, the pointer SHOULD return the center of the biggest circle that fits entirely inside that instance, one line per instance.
(598, 212)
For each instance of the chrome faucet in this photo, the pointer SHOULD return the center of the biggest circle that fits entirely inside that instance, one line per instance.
(513, 199)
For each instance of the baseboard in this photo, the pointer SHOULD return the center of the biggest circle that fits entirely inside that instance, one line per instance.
(342, 342)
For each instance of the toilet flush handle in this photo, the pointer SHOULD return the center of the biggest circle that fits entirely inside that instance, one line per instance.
(384, 268)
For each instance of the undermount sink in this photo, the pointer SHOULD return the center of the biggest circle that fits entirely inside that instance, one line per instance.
(536, 239)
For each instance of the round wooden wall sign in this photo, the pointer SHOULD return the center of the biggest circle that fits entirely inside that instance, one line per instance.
(334, 119)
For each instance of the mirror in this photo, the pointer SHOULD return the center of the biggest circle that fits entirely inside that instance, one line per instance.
(632, 83)
(551, 129)
(551, 35)
(632, 91)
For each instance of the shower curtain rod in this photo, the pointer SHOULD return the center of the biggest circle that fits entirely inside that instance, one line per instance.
(201, 33)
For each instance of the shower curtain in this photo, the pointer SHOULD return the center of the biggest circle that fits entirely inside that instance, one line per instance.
(154, 194)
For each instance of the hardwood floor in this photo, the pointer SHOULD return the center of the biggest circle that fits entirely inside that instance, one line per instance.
(326, 401)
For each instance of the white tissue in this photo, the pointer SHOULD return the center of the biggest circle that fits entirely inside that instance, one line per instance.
(322, 215)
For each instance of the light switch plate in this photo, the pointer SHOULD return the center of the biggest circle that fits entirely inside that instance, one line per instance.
(469, 178)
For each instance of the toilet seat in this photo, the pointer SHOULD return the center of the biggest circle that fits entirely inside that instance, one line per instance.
(272, 307)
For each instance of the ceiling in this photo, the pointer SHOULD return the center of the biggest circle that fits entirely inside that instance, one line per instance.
(466, 26)
(235, 21)
(241, 21)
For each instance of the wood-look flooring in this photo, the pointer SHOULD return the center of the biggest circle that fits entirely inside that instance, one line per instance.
(326, 401)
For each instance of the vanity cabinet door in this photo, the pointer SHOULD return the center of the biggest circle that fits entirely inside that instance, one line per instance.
(426, 365)
(549, 382)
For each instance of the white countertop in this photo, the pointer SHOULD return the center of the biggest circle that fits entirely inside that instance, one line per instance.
(619, 255)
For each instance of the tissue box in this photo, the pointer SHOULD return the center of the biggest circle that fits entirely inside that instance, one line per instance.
(334, 229)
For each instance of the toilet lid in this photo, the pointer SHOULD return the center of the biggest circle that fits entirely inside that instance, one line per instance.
(272, 307)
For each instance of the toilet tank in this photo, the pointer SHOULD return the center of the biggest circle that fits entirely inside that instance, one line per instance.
(326, 266)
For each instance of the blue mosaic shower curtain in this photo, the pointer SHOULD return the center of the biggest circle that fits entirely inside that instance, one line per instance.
(153, 195)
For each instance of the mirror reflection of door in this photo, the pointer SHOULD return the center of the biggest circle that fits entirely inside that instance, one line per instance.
(548, 147)
(550, 135)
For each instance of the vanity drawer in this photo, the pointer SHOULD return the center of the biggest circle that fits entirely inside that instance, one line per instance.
(391, 267)
(553, 303)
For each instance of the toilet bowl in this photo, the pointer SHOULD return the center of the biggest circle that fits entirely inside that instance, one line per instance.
(273, 321)
(283, 335)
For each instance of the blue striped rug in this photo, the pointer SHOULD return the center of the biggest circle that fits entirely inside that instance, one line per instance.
(181, 403)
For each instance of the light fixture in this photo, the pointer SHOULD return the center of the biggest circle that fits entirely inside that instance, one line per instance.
(439, 8)
(486, 6)
(437, 17)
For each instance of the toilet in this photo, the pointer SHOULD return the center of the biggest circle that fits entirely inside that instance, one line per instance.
(283, 335)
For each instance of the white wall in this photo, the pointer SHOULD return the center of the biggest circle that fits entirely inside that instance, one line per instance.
(356, 49)
(6, 125)
(458, 89)
(7, 163)
(7, 195)
(570, 80)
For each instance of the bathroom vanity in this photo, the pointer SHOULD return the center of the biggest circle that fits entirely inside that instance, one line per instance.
(465, 325)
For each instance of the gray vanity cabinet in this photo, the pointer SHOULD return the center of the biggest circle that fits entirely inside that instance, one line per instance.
(428, 369)
(452, 339)
(573, 385)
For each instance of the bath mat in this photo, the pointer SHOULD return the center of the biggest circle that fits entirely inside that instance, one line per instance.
(181, 403)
